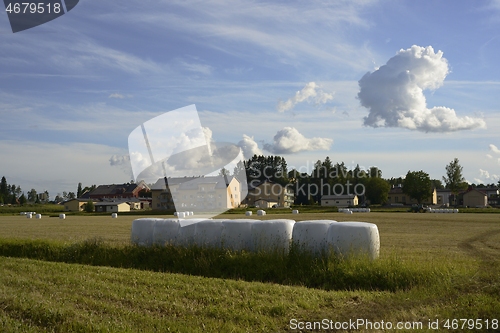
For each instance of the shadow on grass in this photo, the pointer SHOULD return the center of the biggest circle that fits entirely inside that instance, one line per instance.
(297, 267)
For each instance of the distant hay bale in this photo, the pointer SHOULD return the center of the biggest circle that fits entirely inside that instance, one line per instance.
(261, 212)
(295, 211)
(248, 213)
(114, 215)
(62, 216)
(38, 216)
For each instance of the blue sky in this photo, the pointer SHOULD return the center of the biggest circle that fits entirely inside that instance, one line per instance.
(73, 89)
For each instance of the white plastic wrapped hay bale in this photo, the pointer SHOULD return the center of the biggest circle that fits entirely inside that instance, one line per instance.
(38, 216)
(354, 238)
(236, 234)
(142, 231)
(249, 213)
(295, 211)
(185, 236)
(311, 235)
(114, 216)
(62, 216)
(165, 231)
(261, 212)
(271, 235)
(455, 211)
(347, 211)
(29, 215)
(176, 214)
(208, 233)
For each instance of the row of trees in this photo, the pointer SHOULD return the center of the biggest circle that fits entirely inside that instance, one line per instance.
(12, 194)
(327, 175)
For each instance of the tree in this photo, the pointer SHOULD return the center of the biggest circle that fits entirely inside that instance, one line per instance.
(79, 191)
(71, 195)
(22, 199)
(417, 185)
(377, 190)
(4, 191)
(32, 195)
(454, 179)
(224, 172)
(58, 198)
(89, 207)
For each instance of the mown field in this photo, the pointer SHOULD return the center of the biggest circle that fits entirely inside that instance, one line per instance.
(432, 267)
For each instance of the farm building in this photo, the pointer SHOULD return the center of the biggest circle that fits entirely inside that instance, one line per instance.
(112, 207)
(76, 205)
(475, 198)
(345, 200)
(396, 195)
(443, 196)
(265, 203)
(283, 196)
(196, 193)
(120, 191)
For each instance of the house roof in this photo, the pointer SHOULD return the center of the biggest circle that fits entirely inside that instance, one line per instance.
(192, 183)
(343, 196)
(109, 203)
(114, 189)
(472, 190)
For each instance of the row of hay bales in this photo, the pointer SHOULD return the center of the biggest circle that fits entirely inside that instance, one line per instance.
(354, 210)
(26, 213)
(430, 210)
(30, 215)
(316, 236)
(183, 214)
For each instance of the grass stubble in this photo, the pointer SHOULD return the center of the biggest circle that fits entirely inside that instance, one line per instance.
(431, 267)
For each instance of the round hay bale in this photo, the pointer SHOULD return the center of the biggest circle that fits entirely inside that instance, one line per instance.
(165, 231)
(248, 213)
(114, 215)
(295, 211)
(38, 216)
(311, 236)
(28, 215)
(185, 236)
(271, 235)
(354, 238)
(62, 216)
(208, 233)
(236, 234)
(261, 212)
(142, 231)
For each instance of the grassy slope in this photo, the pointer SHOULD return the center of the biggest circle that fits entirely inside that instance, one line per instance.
(37, 295)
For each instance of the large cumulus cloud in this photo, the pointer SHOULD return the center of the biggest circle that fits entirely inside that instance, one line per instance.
(394, 94)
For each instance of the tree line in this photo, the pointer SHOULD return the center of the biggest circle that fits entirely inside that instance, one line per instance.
(326, 175)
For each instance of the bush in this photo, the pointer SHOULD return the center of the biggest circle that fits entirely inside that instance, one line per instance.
(89, 208)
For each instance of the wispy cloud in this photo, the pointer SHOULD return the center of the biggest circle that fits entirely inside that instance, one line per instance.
(311, 92)
(116, 95)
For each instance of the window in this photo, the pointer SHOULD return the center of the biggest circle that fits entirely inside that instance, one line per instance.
(220, 196)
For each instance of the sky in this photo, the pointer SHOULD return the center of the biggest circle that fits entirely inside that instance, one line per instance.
(401, 85)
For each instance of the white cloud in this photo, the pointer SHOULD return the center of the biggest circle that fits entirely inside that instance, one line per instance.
(484, 173)
(200, 68)
(290, 141)
(311, 92)
(494, 149)
(489, 156)
(394, 94)
(249, 147)
(116, 95)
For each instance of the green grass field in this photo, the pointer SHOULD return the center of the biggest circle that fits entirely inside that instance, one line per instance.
(459, 253)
